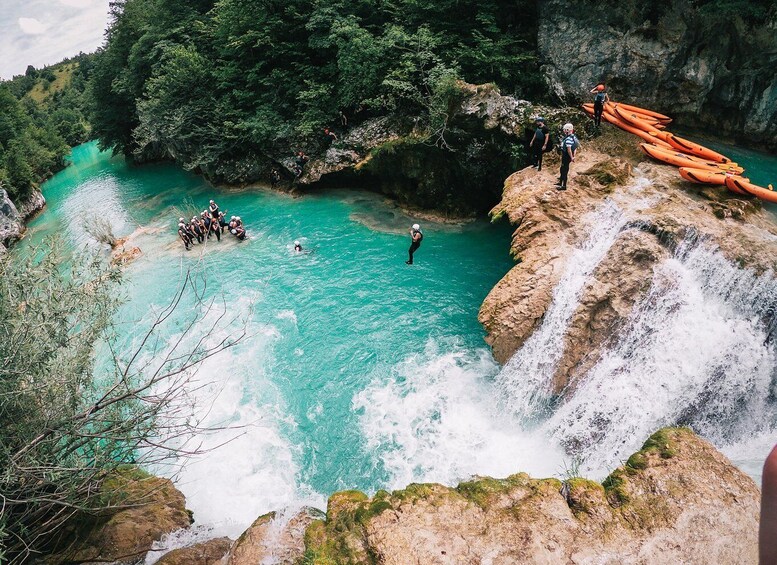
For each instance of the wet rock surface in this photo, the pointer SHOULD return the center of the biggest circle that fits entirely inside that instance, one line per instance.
(206, 553)
(677, 500)
(659, 212)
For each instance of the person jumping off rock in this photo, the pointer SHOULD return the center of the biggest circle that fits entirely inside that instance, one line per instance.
(600, 100)
(569, 147)
(416, 236)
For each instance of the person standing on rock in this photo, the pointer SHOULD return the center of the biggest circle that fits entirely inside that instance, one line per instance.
(569, 146)
(539, 143)
(600, 100)
(416, 236)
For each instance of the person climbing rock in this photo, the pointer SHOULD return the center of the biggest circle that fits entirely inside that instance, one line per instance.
(329, 135)
(569, 146)
(539, 143)
(600, 100)
(275, 177)
(416, 236)
(299, 163)
(343, 120)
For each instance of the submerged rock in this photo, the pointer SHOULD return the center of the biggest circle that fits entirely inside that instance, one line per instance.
(677, 500)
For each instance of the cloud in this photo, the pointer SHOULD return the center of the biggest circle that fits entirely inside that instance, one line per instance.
(31, 26)
(76, 3)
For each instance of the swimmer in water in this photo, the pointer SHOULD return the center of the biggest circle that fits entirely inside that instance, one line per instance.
(297, 246)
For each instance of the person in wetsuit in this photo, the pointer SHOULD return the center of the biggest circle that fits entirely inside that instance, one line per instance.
(297, 246)
(600, 100)
(539, 143)
(568, 149)
(197, 229)
(299, 163)
(416, 236)
(184, 234)
(239, 232)
(215, 227)
(213, 209)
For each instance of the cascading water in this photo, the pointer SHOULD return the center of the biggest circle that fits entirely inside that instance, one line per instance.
(699, 350)
(525, 379)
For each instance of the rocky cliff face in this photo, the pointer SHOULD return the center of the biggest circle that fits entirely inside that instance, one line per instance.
(12, 217)
(711, 70)
(658, 212)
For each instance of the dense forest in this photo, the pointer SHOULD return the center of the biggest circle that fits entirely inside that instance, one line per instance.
(43, 113)
(214, 84)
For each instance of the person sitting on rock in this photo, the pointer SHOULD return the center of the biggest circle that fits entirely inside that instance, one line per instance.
(569, 146)
(539, 143)
(600, 100)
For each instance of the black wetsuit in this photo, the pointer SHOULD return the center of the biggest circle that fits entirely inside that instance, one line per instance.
(599, 100)
(216, 228)
(185, 237)
(214, 210)
(414, 245)
(197, 229)
(567, 144)
(537, 142)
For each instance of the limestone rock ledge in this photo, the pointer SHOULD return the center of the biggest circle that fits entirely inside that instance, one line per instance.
(677, 500)
(660, 211)
(12, 216)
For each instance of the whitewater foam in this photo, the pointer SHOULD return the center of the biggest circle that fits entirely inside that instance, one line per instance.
(435, 420)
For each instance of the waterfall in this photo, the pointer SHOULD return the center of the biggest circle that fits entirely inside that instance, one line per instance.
(698, 350)
(525, 379)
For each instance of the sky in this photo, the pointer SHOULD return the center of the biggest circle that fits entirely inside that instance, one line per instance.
(42, 32)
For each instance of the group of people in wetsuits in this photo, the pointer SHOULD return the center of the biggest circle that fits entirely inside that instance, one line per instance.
(211, 221)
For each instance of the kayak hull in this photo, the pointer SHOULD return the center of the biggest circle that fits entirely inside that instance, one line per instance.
(679, 159)
(743, 187)
(701, 176)
(695, 149)
(613, 119)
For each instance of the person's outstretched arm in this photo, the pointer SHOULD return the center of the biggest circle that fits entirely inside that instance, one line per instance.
(767, 534)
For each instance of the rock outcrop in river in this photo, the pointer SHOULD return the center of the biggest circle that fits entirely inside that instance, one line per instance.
(677, 500)
(657, 213)
(13, 216)
(705, 65)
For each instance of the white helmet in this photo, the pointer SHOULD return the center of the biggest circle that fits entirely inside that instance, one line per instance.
(296, 242)
(416, 227)
(234, 231)
(181, 225)
(212, 202)
(237, 217)
(233, 218)
(569, 128)
(180, 219)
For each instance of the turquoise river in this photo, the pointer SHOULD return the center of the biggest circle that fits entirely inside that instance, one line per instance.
(360, 371)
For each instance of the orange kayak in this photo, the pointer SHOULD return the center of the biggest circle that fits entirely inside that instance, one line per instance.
(695, 149)
(743, 186)
(700, 163)
(702, 176)
(644, 117)
(637, 122)
(643, 111)
(679, 159)
(631, 129)
(609, 107)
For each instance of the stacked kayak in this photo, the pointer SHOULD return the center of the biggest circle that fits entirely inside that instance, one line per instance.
(696, 163)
